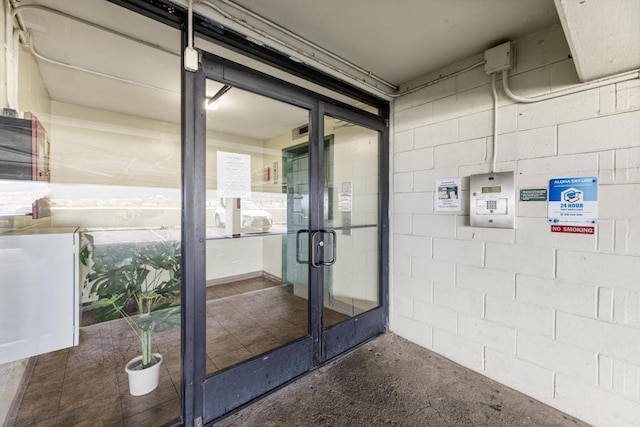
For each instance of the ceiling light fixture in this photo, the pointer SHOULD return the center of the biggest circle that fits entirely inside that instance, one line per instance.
(211, 102)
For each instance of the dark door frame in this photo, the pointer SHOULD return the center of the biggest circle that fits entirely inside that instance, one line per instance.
(231, 388)
(344, 335)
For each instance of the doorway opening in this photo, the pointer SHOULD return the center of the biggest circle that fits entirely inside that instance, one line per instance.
(279, 297)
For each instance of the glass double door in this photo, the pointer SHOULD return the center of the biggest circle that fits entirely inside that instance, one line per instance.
(291, 233)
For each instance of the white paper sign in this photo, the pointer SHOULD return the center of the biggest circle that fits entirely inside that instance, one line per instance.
(234, 175)
(447, 195)
(345, 202)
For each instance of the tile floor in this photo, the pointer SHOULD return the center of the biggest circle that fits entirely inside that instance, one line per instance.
(87, 385)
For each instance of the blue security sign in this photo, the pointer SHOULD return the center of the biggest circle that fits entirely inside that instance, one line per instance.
(573, 201)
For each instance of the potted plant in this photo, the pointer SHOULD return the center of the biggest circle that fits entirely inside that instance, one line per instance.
(139, 283)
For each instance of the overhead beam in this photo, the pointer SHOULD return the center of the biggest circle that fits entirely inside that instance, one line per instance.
(603, 35)
(260, 31)
(173, 13)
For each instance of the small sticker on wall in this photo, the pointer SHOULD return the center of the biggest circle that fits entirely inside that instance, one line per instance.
(447, 195)
(533, 195)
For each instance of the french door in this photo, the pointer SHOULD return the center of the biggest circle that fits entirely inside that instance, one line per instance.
(284, 233)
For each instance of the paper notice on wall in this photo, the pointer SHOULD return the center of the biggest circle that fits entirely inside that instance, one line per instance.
(234, 175)
(447, 195)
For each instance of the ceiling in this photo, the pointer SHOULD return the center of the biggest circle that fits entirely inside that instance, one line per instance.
(396, 41)
(404, 39)
(80, 45)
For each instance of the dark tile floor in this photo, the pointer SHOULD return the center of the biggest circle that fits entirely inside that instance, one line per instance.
(87, 385)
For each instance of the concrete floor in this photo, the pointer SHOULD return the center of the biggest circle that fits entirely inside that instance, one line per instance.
(391, 381)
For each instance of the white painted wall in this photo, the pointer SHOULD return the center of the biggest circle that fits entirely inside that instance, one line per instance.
(33, 95)
(555, 316)
(106, 167)
(234, 257)
(98, 147)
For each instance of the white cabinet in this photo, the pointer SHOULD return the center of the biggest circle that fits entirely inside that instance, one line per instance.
(39, 292)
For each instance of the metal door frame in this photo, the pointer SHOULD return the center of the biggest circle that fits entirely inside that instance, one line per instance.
(195, 387)
(206, 399)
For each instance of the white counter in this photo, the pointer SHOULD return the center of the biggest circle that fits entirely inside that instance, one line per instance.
(40, 292)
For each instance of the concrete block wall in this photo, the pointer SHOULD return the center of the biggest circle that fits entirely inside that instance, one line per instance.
(555, 316)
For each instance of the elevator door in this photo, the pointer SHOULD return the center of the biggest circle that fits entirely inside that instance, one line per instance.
(291, 233)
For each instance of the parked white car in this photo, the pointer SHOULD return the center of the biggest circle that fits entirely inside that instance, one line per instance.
(252, 217)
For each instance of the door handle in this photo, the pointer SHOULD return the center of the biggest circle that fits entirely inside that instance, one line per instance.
(314, 236)
(313, 248)
(298, 260)
(335, 248)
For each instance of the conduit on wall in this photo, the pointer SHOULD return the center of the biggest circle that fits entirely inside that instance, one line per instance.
(9, 62)
(29, 46)
(495, 122)
(619, 78)
(17, 10)
(12, 39)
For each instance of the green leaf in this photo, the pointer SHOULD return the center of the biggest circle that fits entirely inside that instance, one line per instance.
(147, 274)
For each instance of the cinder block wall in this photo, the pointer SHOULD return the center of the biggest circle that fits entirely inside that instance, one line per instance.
(555, 316)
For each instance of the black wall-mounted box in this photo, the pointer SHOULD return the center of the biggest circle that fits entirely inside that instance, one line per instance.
(24, 149)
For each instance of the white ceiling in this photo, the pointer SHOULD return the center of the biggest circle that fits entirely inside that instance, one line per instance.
(395, 40)
(158, 71)
(249, 115)
(404, 39)
(75, 43)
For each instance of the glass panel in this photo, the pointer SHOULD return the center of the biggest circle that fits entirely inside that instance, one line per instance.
(257, 201)
(90, 220)
(351, 210)
(216, 49)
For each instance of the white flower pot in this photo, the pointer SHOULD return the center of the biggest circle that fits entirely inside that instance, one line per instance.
(143, 381)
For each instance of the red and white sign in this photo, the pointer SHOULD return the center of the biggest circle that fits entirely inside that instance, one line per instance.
(576, 229)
